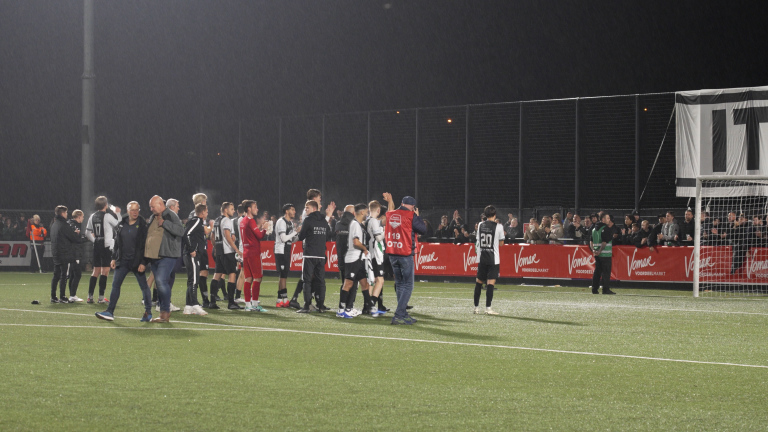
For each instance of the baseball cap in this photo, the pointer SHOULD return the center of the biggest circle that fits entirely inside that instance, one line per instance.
(409, 200)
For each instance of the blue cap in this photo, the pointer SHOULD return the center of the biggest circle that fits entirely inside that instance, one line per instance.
(409, 200)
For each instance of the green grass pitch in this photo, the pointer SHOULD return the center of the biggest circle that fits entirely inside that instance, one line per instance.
(555, 359)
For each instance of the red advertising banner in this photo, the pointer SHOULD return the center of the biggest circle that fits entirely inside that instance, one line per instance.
(663, 264)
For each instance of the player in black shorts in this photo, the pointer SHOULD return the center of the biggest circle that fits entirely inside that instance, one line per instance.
(284, 236)
(99, 230)
(490, 234)
(354, 262)
(201, 198)
(225, 254)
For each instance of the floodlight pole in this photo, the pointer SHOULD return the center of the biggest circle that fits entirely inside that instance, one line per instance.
(87, 131)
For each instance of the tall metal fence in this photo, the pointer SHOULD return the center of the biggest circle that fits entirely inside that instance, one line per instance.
(528, 157)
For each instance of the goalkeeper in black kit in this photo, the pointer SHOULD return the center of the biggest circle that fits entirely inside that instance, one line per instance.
(490, 235)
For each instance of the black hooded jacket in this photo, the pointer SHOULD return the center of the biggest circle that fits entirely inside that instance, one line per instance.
(342, 233)
(314, 233)
(64, 240)
(141, 240)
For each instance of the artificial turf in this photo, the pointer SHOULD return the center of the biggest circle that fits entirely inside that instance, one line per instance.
(555, 359)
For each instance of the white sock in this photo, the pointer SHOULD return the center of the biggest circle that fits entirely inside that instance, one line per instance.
(247, 304)
(488, 308)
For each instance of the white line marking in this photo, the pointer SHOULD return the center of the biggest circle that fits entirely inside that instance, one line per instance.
(140, 328)
(447, 343)
(606, 306)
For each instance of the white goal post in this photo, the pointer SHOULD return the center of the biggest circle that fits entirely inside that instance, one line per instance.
(731, 242)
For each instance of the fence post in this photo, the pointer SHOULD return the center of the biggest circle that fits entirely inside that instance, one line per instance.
(637, 152)
(322, 163)
(279, 161)
(466, 165)
(368, 163)
(577, 172)
(520, 167)
(416, 159)
(239, 158)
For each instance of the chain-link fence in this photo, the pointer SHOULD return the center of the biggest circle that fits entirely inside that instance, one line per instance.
(533, 157)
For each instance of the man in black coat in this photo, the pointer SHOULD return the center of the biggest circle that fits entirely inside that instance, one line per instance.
(314, 233)
(76, 269)
(128, 257)
(63, 242)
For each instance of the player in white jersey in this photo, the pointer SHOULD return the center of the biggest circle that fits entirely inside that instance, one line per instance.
(284, 237)
(355, 262)
(490, 235)
(376, 249)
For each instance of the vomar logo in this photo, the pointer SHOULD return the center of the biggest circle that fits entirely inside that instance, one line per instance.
(296, 257)
(522, 260)
(703, 264)
(755, 265)
(574, 262)
(331, 257)
(266, 255)
(469, 258)
(422, 259)
(633, 264)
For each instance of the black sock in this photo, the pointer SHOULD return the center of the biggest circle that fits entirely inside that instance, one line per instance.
(154, 295)
(282, 294)
(102, 285)
(238, 293)
(488, 295)
(367, 298)
(374, 301)
(478, 290)
(214, 289)
(92, 286)
(203, 285)
(352, 296)
(231, 288)
(299, 289)
(380, 299)
(343, 299)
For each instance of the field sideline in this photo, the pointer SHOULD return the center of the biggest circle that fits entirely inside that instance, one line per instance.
(555, 359)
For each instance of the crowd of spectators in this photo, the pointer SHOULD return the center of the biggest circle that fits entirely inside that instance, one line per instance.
(14, 227)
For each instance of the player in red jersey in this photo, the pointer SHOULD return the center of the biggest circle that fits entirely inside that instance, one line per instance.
(251, 235)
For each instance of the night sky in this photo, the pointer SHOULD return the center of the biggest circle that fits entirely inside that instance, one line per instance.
(161, 66)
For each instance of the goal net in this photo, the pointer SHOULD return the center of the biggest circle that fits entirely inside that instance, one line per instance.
(731, 242)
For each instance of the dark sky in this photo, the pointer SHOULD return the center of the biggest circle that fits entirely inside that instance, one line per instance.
(162, 65)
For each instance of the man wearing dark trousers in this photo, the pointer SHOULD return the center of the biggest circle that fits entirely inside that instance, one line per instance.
(314, 233)
(128, 257)
(400, 235)
(601, 244)
(76, 270)
(63, 242)
(194, 246)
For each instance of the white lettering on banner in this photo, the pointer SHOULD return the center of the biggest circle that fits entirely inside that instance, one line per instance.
(296, 257)
(266, 255)
(17, 254)
(633, 264)
(424, 259)
(703, 264)
(469, 260)
(574, 262)
(756, 266)
(522, 261)
(331, 257)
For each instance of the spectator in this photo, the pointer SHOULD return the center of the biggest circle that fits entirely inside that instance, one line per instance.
(670, 231)
(430, 231)
(530, 236)
(595, 218)
(456, 223)
(588, 226)
(687, 229)
(642, 236)
(758, 235)
(706, 228)
(513, 231)
(37, 233)
(442, 230)
(654, 239)
(461, 235)
(636, 218)
(567, 222)
(555, 232)
(577, 231)
(8, 230)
